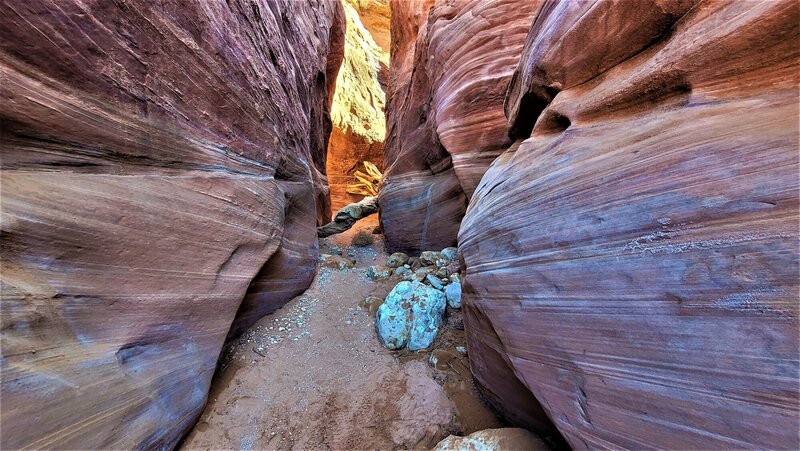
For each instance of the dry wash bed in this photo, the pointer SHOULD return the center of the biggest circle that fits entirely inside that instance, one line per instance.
(313, 375)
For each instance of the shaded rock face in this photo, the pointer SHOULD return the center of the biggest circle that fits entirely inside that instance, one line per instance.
(445, 118)
(359, 126)
(157, 163)
(631, 261)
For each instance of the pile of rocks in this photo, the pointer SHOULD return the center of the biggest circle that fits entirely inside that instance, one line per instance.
(439, 270)
(412, 312)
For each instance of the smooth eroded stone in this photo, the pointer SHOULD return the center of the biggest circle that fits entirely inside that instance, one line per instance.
(449, 253)
(631, 262)
(410, 316)
(162, 173)
(378, 273)
(503, 439)
(453, 295)
(347, 216)
(336, 262)
(429, 258)
(396, 260)
(434, 281)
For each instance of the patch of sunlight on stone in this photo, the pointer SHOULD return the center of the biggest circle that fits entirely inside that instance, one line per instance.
(359, 101)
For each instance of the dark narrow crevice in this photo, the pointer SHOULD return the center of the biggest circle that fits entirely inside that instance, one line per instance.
(530, 107)
(552, 122)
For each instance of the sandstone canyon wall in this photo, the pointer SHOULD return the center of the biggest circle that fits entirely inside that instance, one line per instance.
(632, 261)
(357, 113)
(158, 159)
(375, 15)
(451, 62)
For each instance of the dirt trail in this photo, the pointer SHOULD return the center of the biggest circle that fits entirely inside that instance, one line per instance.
(314, 376)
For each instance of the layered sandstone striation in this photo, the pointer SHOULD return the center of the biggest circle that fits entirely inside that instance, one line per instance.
(157, 161)
(451, 63)
(631, 261)
(359, 126)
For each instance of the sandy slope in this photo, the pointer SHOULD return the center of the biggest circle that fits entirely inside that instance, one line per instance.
(313, 376)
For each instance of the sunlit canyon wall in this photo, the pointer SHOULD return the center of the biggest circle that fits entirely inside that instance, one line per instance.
(359, 125)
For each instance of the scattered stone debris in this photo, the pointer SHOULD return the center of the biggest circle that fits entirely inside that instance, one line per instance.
(379, 273)
(348, 215)
(371, 304)
(437, 269)
(332, 325)
(449, 253)
(429, 258)
(290, 326)
(411, 314)
(434, 281)
(421, 273)
(336, 262)
(402, 272)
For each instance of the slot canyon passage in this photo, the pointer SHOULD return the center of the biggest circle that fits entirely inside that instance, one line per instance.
(586, 232)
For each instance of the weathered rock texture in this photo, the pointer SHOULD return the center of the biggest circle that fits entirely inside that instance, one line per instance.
(158, 158)
(445, 117)
(375, 15)
(632, 264)
(348, 215)
(359, 126)
(502, 439)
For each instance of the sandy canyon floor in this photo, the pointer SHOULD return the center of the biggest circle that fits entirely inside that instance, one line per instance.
(314, 376)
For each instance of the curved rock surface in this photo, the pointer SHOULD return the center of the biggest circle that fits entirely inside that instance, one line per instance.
(157, 160)
(410, 316)
(631, 261)
(445, 117)
(502, 439)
